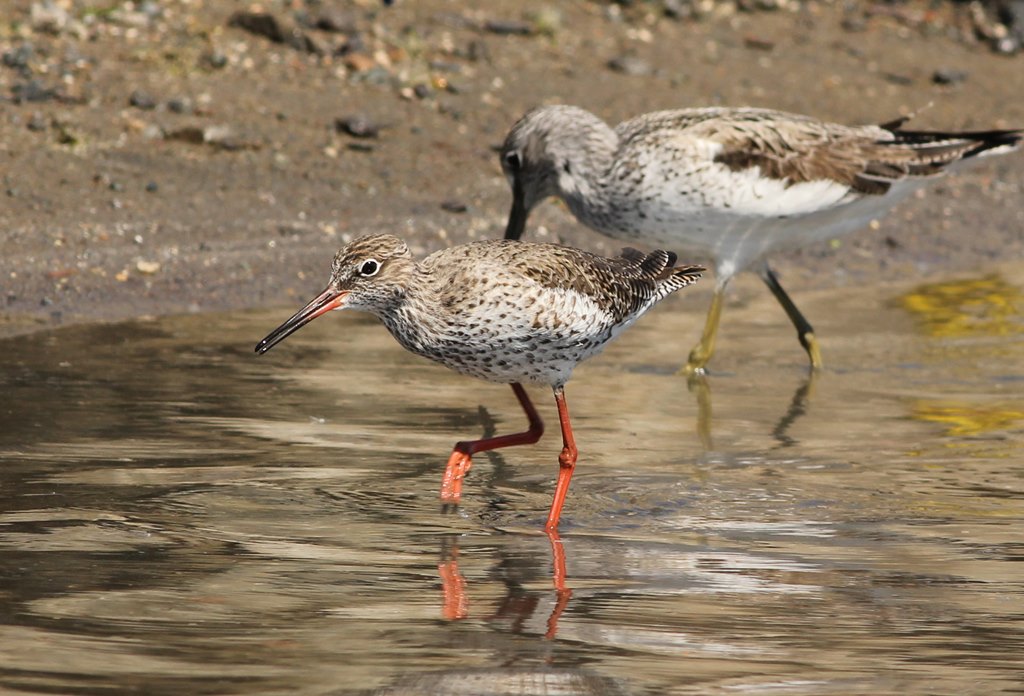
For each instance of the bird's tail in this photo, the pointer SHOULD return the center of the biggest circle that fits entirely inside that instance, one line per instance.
(939, 148)
(681, 276)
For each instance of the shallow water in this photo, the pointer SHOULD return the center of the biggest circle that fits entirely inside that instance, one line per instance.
(181, 516)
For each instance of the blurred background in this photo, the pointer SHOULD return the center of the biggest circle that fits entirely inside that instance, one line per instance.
(168, 157)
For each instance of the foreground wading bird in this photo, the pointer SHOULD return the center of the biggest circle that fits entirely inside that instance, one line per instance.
(731, 184)
(507, 312)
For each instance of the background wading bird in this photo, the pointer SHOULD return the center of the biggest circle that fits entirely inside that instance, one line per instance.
(732, 184)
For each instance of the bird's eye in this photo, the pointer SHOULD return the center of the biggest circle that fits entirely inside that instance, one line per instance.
(513, 161)
(369, 268)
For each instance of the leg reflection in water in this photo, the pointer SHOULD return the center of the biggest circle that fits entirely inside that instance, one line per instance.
(519, 604)
(798, 407)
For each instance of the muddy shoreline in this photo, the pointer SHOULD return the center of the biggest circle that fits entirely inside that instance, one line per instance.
(163, 160)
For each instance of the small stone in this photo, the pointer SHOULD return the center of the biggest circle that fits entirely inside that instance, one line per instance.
(259, 23)
(270, 27)
(147, 267)
(421, 91)
(676, 9)
(854, 23)
(19, 57)
(48, 17)
(630, 65)
(37, 122)
(949, 76)
(508, 27)
(358, 126)
(758, 44)
(152, 187)
(477, 51)
(181, 105)
(453, 206)
(141, 99)
(359, 62)
(897, 79)
(32, 91)
(353, 43)
(215, 60)
(335, 21)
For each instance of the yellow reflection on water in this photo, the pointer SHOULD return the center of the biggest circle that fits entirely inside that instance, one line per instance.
(986, 306)
(965, 420)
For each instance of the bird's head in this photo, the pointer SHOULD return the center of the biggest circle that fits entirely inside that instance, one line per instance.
(549, 152)
(370, 274)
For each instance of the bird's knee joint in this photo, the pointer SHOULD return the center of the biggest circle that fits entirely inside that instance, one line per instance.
(567, 458)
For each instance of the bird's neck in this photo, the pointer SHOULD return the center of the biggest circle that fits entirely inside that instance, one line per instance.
(412, 316)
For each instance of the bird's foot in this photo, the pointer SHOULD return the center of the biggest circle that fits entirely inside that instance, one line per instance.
(810, 344)
(458, 466)
(693, 370)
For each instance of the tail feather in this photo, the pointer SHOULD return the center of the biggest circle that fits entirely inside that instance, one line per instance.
(681, 276)
(939, 147)
(652, 265)
(926, 153)
(659, 266)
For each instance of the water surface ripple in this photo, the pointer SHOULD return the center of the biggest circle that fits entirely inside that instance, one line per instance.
(180, 516)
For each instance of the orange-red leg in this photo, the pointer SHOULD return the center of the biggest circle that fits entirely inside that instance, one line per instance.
(566, 461)
(462, 456)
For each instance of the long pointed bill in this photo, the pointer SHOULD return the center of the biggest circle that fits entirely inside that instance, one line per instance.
(517, 216)
(324, 302)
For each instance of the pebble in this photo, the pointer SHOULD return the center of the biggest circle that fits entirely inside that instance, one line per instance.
(508, 27)
(37, 122)
(181, 105)
(335, 21)
(359, 62)
(19, 57)
(32, 91)
(141, 99)
(677, 9)
(270, 27)
(454, 206)
(214, 59)
(630, 65)
(949, 76)
(358, 126)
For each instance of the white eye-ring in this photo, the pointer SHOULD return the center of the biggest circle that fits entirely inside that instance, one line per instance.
(369, 267)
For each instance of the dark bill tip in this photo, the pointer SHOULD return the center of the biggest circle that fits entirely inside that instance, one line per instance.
(324, 302)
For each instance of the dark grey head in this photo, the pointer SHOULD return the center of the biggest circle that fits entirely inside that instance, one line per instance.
(551, 151)
(370, 274)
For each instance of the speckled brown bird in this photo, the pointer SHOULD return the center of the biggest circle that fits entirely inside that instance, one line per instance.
(729, 184)
(503, 311)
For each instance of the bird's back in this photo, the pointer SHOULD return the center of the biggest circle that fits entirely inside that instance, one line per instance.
(519, 311)
(735, 183)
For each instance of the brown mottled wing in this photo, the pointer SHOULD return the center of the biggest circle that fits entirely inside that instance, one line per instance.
(623, 284)
(796, 148)
(802, 150)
